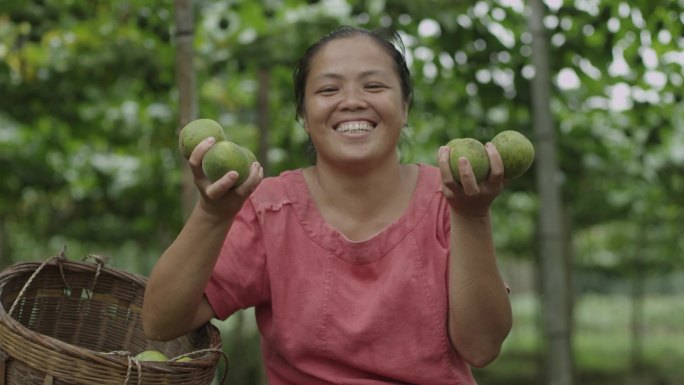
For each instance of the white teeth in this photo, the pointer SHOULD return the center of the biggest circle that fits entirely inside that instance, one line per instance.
(354, 127)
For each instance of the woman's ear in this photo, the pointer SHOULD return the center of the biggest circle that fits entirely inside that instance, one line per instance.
(302, 121)
(406, 113)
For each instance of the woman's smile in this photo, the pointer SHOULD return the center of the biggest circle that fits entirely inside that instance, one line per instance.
(354, 108)
(354, 128)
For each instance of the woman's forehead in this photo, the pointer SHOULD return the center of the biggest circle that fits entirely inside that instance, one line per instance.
(351, 52)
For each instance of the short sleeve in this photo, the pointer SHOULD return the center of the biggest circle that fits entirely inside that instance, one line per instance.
(446, 221)
(240, 278)
(443, 221)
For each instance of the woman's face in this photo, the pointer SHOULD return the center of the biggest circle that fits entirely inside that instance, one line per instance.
(354, 110)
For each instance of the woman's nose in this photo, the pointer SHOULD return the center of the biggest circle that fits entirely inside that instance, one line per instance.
(352, 100)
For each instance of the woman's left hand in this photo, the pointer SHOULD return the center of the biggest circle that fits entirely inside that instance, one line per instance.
(470, 198)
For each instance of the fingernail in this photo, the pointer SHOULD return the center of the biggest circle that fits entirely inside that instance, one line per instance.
(440, 154)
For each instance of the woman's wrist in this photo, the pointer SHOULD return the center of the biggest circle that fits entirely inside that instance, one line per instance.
(206, 213)
(473, 215)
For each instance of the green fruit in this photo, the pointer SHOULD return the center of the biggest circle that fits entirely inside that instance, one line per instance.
(151, 355)
(223, 157)
(517, 153)
(195, 132)
(250, 155)
(184, 359)
(474, 151)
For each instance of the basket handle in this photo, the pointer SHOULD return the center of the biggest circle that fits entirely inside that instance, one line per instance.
(100, 261)
(3, 366)
(132, 361)
(59, 257)
(225, 369)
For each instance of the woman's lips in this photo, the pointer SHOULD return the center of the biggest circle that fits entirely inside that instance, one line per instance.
(355, 127)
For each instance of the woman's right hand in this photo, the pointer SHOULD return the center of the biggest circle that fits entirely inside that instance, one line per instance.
(222, 198)
(470, 197)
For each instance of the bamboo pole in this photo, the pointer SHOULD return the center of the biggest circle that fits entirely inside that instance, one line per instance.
(554, 278)
(185, 81)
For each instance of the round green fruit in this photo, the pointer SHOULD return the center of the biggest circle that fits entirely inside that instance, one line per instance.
(151, 355)
(250, 155)
(195, 132)
(223, 157)
(517, 153)
(184, 359)
(474, 151)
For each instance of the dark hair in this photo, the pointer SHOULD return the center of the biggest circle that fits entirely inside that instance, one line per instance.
(389, 40)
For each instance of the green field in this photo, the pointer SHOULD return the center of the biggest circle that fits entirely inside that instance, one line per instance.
(602, 343)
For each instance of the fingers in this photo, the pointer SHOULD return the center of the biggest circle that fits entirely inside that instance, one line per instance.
(468, 181)
(197, 155)
(468, 184)
(449, 184)
(444, 167)
(227, 182)
(222, 185)
(256, 175)
(496, 168)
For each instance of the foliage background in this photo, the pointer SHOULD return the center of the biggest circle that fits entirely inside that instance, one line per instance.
(88, 145)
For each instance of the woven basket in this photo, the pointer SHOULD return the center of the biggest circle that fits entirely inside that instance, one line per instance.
(64, 322)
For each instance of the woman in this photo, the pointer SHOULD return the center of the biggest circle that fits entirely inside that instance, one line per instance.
(361, 269)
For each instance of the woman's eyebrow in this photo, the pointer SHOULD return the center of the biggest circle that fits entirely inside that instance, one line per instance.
(370, 73)
(362, 75)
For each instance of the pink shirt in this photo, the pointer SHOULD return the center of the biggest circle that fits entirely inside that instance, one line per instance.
(333, 311)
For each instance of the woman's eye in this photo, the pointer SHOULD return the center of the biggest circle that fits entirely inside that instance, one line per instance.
(375, 86)
(327, 90)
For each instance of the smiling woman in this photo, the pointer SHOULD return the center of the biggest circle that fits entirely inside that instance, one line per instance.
(360, 268)
(385, 41)
(354, 108)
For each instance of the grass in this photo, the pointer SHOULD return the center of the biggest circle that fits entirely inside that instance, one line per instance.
(602, 343)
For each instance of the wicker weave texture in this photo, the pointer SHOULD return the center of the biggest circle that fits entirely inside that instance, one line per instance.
(80, 323)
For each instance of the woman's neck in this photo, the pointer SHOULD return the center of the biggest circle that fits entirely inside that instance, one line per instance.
(363, 194)
(359, 179)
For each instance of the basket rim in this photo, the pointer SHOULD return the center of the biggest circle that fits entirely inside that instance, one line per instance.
(118, 360)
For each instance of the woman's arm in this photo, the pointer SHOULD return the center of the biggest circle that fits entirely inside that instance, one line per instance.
(174, 302)
(479, 307)
(480, 315)
(175, 288)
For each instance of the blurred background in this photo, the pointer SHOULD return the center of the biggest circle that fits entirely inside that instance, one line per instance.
(93, 93)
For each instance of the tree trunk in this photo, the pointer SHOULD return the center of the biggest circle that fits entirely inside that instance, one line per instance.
(185, 80)
(263, 117)
(554, 277)
(5, 250)
(637, 318)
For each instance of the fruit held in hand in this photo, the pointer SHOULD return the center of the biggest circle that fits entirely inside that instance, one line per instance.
(250, 155)
(195, 132)
(517, 153)
(151, 355)
(226, 156)
(474, 151)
